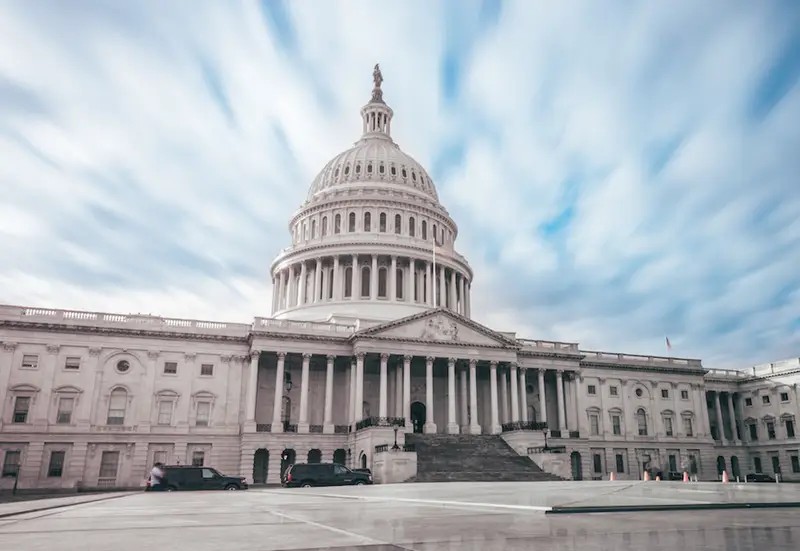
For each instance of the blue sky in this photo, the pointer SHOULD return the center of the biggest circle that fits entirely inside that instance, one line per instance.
(619, 171)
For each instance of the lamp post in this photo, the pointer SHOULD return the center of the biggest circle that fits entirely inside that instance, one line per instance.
(544, 433)
(395, 447)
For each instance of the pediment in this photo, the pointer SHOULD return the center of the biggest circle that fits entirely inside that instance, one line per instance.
(439, 326)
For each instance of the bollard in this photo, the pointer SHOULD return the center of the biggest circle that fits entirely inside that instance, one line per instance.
(612, 476)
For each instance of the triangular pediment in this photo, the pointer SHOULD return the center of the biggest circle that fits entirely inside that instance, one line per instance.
(439, 326)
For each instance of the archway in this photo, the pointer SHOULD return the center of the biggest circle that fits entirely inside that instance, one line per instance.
(287, 458)
(340, 456)
(418, 416)
(363, 460)
(314, 456)
(577, 469)
(260, 464)
(735, 467)
(720, 465)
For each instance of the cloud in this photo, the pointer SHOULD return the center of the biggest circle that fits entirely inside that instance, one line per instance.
(618, 173)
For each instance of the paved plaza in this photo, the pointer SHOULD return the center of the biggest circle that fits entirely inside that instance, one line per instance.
(420, 517)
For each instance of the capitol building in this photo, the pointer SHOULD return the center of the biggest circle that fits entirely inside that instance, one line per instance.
(369, 348)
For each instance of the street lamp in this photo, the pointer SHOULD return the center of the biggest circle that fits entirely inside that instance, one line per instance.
(544, 433)
(395, 447)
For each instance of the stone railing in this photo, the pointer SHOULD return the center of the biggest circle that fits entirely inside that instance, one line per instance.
(637, 359)
(547, 449)
(524, 425)
(726, 374)
(315, 429)
(294, 326)
(341, 429)
(381, 422)
(550, 345)
(263, 427)
(382, 448)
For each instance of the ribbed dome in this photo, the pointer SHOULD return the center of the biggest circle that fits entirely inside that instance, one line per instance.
(373, 160)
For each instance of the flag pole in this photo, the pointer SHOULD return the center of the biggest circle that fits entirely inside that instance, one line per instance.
(434, 271)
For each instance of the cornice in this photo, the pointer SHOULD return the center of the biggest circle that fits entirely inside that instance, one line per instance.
(123, 331)
(633, 367)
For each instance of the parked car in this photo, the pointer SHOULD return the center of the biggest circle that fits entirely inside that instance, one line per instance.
(181, 477)
(322, 474)
(759, 477)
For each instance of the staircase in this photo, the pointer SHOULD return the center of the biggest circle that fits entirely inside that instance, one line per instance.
(471, 458)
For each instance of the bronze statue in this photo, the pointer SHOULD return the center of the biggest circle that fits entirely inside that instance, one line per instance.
(377, 77)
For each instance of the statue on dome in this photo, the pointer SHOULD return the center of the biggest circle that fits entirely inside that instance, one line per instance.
(377, 77)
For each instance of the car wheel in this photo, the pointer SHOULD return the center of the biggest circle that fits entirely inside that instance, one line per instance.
(231, 487)
(306, 485)
(359, 482)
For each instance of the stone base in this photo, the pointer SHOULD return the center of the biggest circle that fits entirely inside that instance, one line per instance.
(303, 429)
(276, 427)
(474, 429)
(453, 428)
(429, 428)
(327, 429)
(497, 429)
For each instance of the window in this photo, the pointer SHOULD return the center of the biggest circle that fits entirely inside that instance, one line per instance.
(412, 229)
(784, 396)
(613, 390)
(673, 463)
(207, 370)
(424, 229)
(597, 461)
(11, 463)
(789, 428)
(170, 368)
(591, 390)
(165, 412)
(668, 427)
(687, 426)
(73, 363)
(159, 457)
(765, 400)
(795, 464)
(304, 231)
(664, 393)
(771, 430)
(30, 361)
(757, 465)
(639, 392)
(324, 226)
(616, 425)
(365, 281)
(753, 431)
(367, 221)
(684, 394)
(776, 464)
(382, 284)
(399, 284)
(594, 422)
(641, 418)
(313, 229)
(198, 458)
(748, 402)
(56, 467)
(22, 406)
(117, 403)
(351, 222)
(398, 223)
(382, 222)
(337, 223)
(348, 282)
(693, 463)
(108, 464)
(203, 413)
(66, 404)
(620, 459)
(208, 474)
(123, 366)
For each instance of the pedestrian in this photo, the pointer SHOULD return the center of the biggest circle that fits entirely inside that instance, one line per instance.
(158, 478)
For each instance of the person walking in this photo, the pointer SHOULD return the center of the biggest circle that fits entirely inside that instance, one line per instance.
(158, 478)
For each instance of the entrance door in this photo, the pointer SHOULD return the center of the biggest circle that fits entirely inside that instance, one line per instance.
(418, 416)
(260, 464)
(577, 469)
(287, 458)
(340, 456)
(720, 465)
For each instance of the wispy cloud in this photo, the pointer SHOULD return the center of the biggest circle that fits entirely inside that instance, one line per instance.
(641, 162)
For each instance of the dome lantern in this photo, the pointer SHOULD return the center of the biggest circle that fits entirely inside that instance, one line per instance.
(376, 115)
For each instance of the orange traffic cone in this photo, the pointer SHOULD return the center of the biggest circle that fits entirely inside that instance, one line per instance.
(725, 477)
(612, 477)
(685, 476)
(646, 476)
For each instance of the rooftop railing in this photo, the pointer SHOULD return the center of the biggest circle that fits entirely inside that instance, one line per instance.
(666, 361)
(303, 326)
(550, 345)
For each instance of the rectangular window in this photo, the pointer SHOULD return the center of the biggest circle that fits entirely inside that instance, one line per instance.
(612, 390)
(207, 370)
(784, 396)
(73, 363)
(770, 430)
(198, 458)
(11, 463)
(776, 464)
(673, 463)
(693, 463)
(664, 393)
(65, 407)
(597, 463)
(22, 406)
(789, 428)
(684, 394)
(170, 368)
(591, 389)
(594, 421)
(668, 426)
(765, 400)
(757, 465)
(748, 402)
(687, 426)
(56, 466)
(30, 361)
(753, 431)
(795, 464)
(165, 412)
(616, 425)
(159, 457)
(203, 413)
(620, 463)
(108, 465)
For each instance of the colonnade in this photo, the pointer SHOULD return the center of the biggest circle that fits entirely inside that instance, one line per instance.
(377, 277)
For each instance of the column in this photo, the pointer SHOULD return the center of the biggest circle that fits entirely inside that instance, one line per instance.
(562, 414)
(442, 288)
(464, 400)
(430, 426)
(398, 390)
(356, 285)
(407, 390)
(326, 284)
(317, 280)
(302, 424)
(514, 393)
(252, 387)
(474, 427)
(452, 289)
(428, 298)
(468, 299)
(732, 413)
(275, 292)
(337, 279)
(383, 406)
(359, 386)
(373, 276)
(740, 408)
(412, 281)
(351, 414)
(291, 292)
(452, 424)
(504, 417)
(327, 423)
(462, 307)
(393, 280)
(542, 399)
(302, 283)
(523, 396)
(495, 428)
(277, 404)
(718, 410)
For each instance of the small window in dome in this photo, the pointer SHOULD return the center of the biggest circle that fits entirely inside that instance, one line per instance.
(405, 174)
(381, 169)
(369, 168)
(413, 175)
(394, 171)
(336, 172)
(347, 170)
(358, 169)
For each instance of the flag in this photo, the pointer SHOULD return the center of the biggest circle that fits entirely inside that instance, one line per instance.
(669, 344)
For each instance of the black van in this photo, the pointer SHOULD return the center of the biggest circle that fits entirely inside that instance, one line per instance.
(322, 474)
(181, 477)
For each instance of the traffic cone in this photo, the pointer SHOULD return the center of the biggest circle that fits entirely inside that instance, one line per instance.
(646, 476)
(685, 476)
(658, 478)
(725, 477)
(612, 477)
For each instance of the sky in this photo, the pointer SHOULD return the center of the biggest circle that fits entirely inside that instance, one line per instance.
(620, 172)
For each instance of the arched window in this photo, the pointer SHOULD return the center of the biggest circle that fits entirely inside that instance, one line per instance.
(367, 221)
(330, 284)
(441, 235)
(424, 229)
(433, 228)
(382, 282)
(305, 228)
(324, 226)
(399, 284)
(412, 230)
(117, 404)
(337, 224)
(382, 222)
(365, 281)
(313, 229)
(398, 223)
(641, 419)
(348, 282)
(351, 223)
